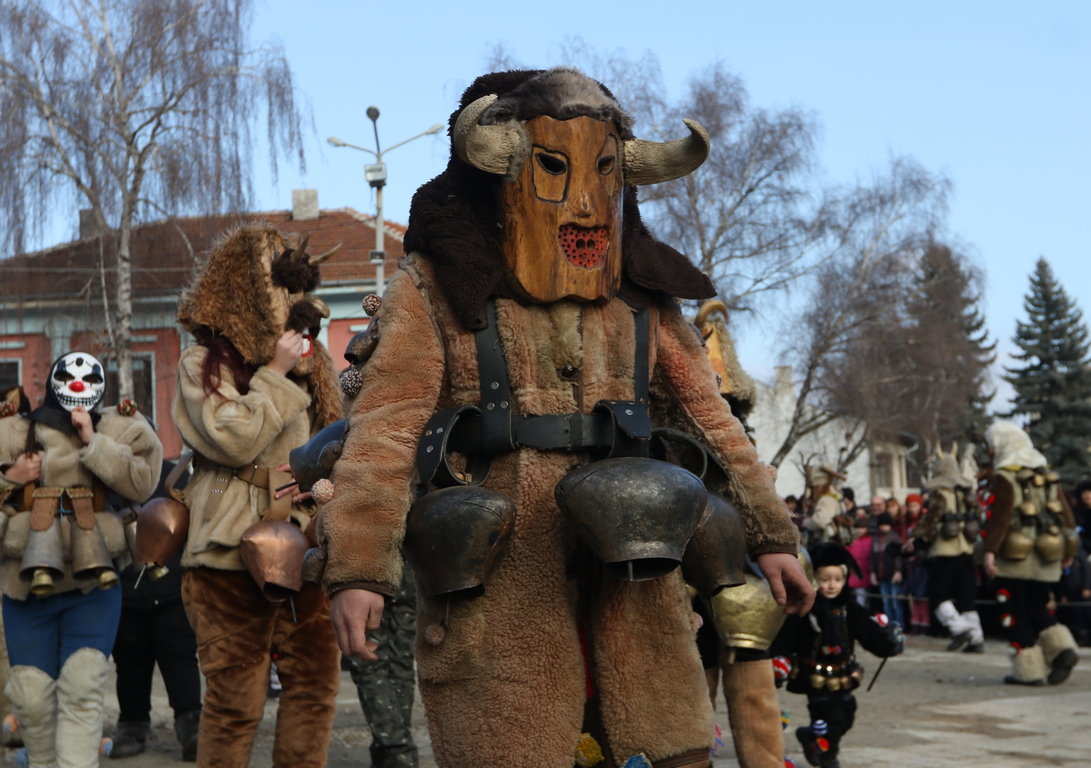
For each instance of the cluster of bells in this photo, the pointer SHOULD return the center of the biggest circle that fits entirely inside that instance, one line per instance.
(824, 677)
(43, 561)
(1051, 543)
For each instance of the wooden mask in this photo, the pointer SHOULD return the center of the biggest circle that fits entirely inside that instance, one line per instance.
(563, 211)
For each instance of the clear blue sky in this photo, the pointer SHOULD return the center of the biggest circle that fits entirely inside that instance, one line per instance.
(997, 95)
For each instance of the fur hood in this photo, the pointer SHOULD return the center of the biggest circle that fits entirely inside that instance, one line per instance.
(235, 296)
(454, 219)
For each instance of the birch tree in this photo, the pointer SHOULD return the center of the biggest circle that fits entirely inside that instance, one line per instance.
(133, 109)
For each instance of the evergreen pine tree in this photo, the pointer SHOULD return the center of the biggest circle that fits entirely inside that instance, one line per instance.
(1053, 385)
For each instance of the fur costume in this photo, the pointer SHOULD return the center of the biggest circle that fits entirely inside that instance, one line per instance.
(254, 287)
(1027, 509)
(58, 642)
(502, 675)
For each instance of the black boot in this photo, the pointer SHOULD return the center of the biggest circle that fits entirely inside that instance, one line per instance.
(185, 728)
(131, 738)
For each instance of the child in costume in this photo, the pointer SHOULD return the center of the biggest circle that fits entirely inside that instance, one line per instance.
(61, 599)
(820, 646)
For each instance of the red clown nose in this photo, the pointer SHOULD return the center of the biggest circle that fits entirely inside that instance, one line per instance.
(77, 386)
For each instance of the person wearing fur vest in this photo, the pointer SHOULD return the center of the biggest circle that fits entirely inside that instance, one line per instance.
(531, 331)
(61, 546)
(257, 384)
(1029, 537)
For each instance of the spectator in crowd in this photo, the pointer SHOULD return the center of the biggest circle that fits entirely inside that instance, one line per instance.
(897, 514)
(886, 570)
(916, 572)
(1081, 511)
(860, 549)
(1075, 587)
(848, 501)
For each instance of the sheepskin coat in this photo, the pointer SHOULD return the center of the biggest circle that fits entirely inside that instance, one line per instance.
(125, 454)
(506, 683)
(236, 430)
(1007, 497)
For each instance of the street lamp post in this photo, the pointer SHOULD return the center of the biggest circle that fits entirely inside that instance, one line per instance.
(375, 173)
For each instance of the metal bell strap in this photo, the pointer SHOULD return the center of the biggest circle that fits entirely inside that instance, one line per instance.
(616, 427)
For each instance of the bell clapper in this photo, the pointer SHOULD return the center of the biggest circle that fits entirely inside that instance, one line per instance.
(291, 602)
(139, 576)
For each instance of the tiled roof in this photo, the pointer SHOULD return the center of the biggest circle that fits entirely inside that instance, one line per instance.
(165, 252)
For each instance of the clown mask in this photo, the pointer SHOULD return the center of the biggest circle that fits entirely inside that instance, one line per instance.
(77, 380)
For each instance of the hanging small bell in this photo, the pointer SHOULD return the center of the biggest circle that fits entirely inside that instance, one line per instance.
(90, 557)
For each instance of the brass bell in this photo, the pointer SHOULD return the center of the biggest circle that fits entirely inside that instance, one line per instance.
(42, 582)
(818, 680)
(1049, 546)
(107, 579)
(1055, 506)
(1039, 480)
(847, 683)
(156, 572)
(1017, 545)
(1052, 477)
(857, 674)
(161, 530)
(1028, 508)
(43, 559)
(1024, 475)
(833, 684)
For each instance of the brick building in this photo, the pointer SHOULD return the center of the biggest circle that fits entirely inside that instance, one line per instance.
(52, 301)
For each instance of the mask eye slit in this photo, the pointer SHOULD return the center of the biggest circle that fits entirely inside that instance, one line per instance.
(551, 163)
(92, 378)
(64, 376)
(606, 165)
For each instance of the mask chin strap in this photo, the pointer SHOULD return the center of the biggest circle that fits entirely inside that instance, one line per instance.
(613, 428)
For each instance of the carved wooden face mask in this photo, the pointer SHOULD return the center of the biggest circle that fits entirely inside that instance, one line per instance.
(563, 211)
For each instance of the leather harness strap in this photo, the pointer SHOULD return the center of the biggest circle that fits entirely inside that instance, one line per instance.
(260, 477)
(617, 427)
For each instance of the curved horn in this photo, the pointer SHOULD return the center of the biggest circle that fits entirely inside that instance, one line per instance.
(491, 148)
(297, 252)
(939, 451)
(954, 450)
(650, 162)
(316, 260)
(322, 307)
(713, 305)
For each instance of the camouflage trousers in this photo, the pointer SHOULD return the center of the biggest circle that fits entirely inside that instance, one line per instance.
(386, 686)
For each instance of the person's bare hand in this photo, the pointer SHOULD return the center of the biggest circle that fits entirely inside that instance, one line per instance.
(908, 546)
(289, 351)
(25, 469)
(354, 613)
(81, 420)
(990, 565)
(896, 578)
(788, 582)
(874, 579)
(297, 495)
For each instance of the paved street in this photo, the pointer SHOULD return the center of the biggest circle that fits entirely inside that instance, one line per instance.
(929, 708)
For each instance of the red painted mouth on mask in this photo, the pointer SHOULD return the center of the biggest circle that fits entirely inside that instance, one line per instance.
(584, 247)
(308, 345)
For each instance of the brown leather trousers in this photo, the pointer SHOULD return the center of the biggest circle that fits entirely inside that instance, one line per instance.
(238, 630)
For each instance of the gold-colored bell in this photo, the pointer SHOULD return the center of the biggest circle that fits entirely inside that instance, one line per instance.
(1028, 508)
(1017, 545)
(1024, 475)
(1055, 506)
(1052, 477)
(107, 579)
(156, 572)
(818, 680)
(1071, 544)
(1039, 480)
(41, 584)
(833, 684)
(1049, 546)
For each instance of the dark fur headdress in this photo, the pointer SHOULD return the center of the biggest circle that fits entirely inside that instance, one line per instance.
(455, 219)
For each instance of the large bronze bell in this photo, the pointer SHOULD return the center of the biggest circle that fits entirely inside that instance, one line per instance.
(636, 514)
(162, 528)
(1071, 544)
(273, 550)
(716, 555)
(1017, 545)
(314, 460)
(90, 557)
(43, 559)
(455, 536)
(1049, 545)
(747, 616)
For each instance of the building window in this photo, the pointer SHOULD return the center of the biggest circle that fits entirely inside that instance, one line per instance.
(143, 385)
(882, 471)
(11, 373)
